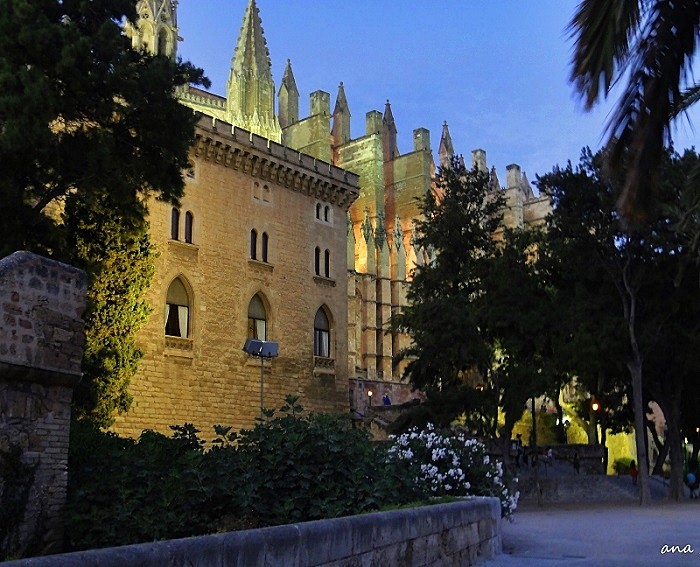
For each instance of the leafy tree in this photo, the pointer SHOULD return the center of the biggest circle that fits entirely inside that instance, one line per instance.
(83, 113)
(120, 262)
(649, 44)
(520, 321)
(444, 297)
(642, 265)
(89, 130)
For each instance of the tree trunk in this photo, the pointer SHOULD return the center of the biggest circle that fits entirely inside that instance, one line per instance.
(672, 413)
(629, 305)
(663, 453)
(635, 368)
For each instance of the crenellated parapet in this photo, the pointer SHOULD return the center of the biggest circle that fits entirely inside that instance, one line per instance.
(260, 157)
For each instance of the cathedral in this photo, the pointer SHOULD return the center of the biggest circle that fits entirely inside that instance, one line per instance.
(291, 231)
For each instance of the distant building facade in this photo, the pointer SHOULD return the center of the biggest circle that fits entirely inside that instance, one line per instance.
(318, 225)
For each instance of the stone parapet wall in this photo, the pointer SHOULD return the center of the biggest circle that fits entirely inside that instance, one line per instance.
(41, 305)
(41, 338)
(459, 533)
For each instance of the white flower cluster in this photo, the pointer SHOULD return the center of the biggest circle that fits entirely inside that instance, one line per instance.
(452, 465)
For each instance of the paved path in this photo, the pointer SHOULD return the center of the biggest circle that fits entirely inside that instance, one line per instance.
(601, 535)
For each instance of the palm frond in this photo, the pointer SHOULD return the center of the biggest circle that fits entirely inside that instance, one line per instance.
(604, 32)
(641, 125)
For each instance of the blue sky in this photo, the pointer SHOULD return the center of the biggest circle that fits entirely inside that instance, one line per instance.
(495, 70)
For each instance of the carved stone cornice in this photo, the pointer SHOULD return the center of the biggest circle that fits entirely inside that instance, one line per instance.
(253, 155)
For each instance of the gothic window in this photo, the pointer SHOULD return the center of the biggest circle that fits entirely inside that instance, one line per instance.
(327, 263)
(189, 225)
(254, 244)
(257, 319)
(327, 213)
(256, 190)
(265, 239)
(317, 261)
(322, 334)
(266, 194)
(175, 224)
(177, 310)
(318, 211)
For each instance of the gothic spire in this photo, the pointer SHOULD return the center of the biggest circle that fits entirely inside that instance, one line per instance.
(340, 131)
(391, 150)
(251, 52)
(446, 151)
(288, 97)
(250, 89)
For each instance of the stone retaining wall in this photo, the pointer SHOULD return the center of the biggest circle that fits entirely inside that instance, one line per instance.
(458, 533)
(41, 347)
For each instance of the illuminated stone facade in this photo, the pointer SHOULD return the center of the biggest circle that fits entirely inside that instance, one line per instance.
(373, 229)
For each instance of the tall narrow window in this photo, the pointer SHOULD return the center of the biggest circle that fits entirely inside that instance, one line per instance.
(322, 334)
(257, 319)
(318, 210)
(177, 310)
(254, 244)
(175, 224)
(327, 263)
(265, 239)
(266, 194)
(327, 213)
(317, 261)
(189, 222)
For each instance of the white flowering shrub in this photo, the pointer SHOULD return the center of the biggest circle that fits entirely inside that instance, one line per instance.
(452, 465)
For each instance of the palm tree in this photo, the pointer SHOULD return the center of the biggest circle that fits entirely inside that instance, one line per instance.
(650, 44)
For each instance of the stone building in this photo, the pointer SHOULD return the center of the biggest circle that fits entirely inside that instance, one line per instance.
(256, 249)
(314, 195)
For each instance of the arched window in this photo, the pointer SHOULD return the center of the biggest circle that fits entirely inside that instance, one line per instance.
(256, 190)
(265, 239)
(177, 310)
(327, 213)
(322, 334)
(257, 319)
(317, 261)
(175, 224)
(189, 223)
(327, 263)
(254, 244)
(266, 194)
(318, 211)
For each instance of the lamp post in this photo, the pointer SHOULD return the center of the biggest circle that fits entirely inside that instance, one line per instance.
(262, 349)
(369, 395)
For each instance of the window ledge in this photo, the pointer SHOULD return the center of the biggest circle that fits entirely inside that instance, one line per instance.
(177, 346)
(260, 265)
(186, 247)
(328, 282)
(324, 366)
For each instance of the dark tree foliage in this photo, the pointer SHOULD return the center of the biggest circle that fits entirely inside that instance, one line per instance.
(83, 113)
(647, 269)
(520, 322)
(89, 130)
(444, 297)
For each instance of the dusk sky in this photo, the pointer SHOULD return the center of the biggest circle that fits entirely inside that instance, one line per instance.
(495, 70)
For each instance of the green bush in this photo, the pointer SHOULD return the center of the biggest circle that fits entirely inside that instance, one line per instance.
(622, 465)
(288, 468)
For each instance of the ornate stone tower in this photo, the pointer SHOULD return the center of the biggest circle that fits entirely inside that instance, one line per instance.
(156, 31)
(250, 91)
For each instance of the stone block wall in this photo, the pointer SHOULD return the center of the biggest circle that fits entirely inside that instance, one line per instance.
(459, 533)
(41, 338)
